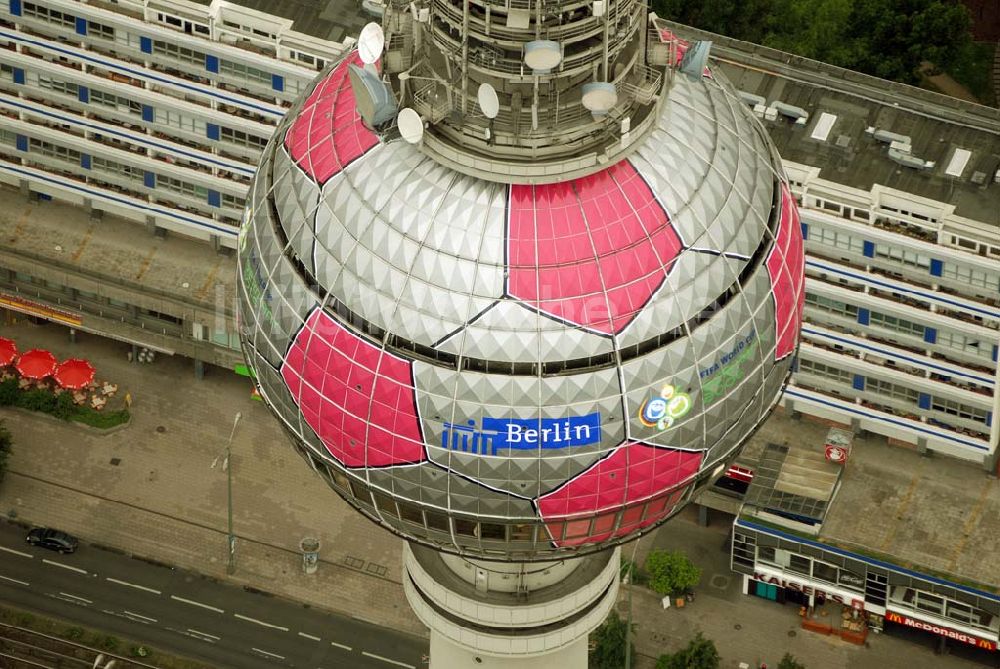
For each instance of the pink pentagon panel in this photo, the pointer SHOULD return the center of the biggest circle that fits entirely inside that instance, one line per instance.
(648, 482)
(328, 133)
(357, 398)
(589, 251)
(786, 267)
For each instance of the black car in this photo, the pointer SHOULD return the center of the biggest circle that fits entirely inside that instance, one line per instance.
(52, 539)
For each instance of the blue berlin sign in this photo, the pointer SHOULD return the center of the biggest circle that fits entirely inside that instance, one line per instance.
(498, 434)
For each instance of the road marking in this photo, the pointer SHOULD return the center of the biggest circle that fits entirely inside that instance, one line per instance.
(264, 652)
(261, 622)
(14, 580)
(82, 599)
(204, 634)
(64, 566)
(21, 553)
(194, 603)
(130, 614)
(133, 585)
(385, 659)
(309, 636)
(340, 645)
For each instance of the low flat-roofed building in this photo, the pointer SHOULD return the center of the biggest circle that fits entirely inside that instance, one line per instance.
(907, 540)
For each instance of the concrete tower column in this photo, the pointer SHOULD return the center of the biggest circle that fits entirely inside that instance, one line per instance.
(514, 615)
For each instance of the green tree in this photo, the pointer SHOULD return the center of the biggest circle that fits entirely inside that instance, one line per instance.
(700, 653)
(6, 442)
(608, 643)
(788, 661)
(812, 28)
(671, 572)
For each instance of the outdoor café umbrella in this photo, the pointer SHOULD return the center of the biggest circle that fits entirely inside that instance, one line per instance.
(74, 373)
(36, 364)
(8, 351)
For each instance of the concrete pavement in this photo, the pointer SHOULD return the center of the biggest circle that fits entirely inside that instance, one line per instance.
(150, 489)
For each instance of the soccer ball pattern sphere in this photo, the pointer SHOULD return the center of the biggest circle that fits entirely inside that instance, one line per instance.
(518, 371)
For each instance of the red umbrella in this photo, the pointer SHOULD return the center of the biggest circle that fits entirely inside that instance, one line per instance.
(36, 364)
(74, 373)
(8, 351)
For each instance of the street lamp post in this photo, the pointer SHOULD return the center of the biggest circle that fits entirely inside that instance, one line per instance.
(231, 566)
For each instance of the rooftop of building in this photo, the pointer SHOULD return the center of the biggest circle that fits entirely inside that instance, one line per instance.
(935, 515)
(938, 126)
(326, 19)
(114, 252)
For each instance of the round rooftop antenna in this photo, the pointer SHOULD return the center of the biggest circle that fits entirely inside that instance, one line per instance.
(411, 126)
(488, 100)
(599, 97)
(542, 55)
(371, 42)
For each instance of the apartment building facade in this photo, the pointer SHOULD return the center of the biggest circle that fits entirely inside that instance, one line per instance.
(158, 112)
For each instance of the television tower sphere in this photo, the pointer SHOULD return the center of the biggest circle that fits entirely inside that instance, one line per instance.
(536, 332)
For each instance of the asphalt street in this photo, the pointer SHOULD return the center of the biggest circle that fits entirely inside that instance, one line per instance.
(186, 614)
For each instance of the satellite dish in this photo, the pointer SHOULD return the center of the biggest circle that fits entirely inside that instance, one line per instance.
(488, 100)
(695, 59)
(371, 43)
(411, 126)
(542, 55)
(372, 97)
(599, 97)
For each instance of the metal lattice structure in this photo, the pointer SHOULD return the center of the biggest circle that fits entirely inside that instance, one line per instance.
(515, 368)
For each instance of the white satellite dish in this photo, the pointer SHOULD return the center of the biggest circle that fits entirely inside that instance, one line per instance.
(599, 97)
(371, 43)
(411, 126)
(488, 100)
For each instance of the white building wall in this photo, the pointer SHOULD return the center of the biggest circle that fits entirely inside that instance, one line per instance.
(912, 353)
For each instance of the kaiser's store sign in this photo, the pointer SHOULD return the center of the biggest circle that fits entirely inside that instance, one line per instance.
(900, 619)
(825, 591)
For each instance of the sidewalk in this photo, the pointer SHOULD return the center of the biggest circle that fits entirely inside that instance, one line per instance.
(163, 500)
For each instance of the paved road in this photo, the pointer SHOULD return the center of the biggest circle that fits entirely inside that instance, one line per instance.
(190, 615)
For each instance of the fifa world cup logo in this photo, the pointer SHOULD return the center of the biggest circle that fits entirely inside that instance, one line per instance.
(664, 410)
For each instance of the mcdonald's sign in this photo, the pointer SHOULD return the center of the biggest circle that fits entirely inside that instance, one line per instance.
(964, 637)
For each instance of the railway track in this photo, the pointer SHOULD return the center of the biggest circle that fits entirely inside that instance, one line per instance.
(21, 648)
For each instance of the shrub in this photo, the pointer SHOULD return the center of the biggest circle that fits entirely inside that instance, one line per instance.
(103, 420)
(608, 643)
(700, 653)
(671, 572)
(6, 442)
(64, 408)
(9, 393)
(37, 400)
(788, 661)
(139, 651)
(73, 633)
(107, 642)
(630, 570)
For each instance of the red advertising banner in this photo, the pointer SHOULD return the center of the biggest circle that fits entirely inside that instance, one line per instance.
(964, 637)
(37, 309)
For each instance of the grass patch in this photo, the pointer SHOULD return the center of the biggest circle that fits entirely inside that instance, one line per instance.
(60, 406)
(95, 639)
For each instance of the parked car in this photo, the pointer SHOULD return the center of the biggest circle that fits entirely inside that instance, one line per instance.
(52, 539)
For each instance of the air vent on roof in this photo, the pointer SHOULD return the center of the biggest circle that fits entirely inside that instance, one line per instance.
(888, 137)
(752, 99)
(797, 114)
